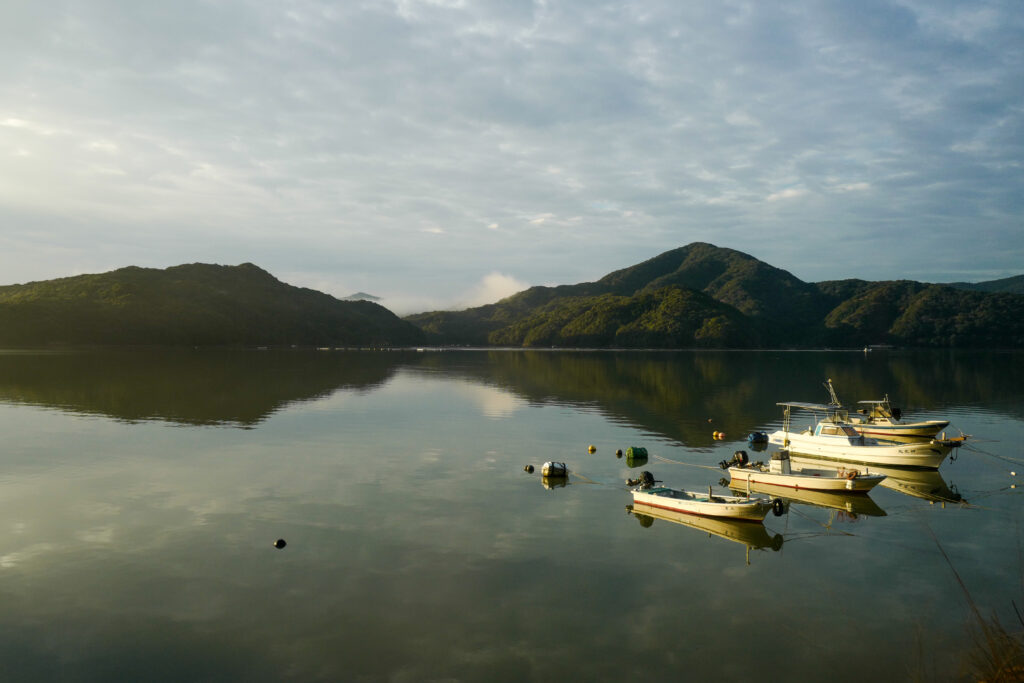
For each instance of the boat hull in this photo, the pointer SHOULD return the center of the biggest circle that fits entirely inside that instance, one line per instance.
(913, 431)
(928, 455)
(808, 481)
(727, 507)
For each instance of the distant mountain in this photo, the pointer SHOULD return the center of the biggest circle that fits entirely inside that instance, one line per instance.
(360, 296)
(701, 295)
(194, 304)
(1009, 285)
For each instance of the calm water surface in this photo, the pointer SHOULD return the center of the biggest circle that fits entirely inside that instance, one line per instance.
(141, 493)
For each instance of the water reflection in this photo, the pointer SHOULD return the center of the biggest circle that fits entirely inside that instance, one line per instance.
(687, 396)
(926, 484)
(682, 397)
(852, 503)
(138, 552)
(751, 534)
(198, 387)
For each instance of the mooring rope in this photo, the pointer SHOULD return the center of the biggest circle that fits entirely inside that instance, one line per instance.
(689, 464)
(972, 449)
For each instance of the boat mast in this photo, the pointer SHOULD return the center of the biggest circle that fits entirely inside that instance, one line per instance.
(832, 393)
(785, 427)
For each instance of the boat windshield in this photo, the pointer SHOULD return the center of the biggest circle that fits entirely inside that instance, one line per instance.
(838, 430)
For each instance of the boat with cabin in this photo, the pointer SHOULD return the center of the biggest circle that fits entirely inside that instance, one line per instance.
(831, 438)
(880, 419)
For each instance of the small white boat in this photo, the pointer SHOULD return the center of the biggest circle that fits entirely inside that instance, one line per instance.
(833, 440)
(702, 504)
(778, 472)
(753, 535)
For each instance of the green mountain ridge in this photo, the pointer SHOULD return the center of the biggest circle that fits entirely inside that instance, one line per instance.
(696, 296)
(1011, 285)
(703, 296)
(191, 304)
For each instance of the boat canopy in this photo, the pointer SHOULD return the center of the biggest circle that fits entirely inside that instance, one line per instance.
(825, 407)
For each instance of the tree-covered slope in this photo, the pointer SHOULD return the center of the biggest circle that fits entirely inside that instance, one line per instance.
(670, 317)
(1006, 285)
(910, 313)
(742, 302)
(190, 304)
(752, 291)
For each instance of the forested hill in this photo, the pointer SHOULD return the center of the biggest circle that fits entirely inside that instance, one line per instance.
(701, 295)
(194, 304)
(1012, 285)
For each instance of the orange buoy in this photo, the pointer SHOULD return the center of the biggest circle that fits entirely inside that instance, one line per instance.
(591, 448)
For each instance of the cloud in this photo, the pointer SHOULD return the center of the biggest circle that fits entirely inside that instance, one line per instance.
(292, 135)
(494, 287)
(789, 193)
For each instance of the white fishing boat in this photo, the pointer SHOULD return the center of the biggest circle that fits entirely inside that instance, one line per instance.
(828, 439)
(702, 504)
(779, 473)
(881, 420)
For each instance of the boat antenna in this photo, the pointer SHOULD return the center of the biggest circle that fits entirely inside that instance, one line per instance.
(832, 394)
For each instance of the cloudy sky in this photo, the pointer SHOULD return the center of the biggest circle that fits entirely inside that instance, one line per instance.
(441, 153)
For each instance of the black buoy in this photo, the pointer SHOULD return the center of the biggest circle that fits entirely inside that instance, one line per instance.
(618, 452)
(528, 468)
(279, 543)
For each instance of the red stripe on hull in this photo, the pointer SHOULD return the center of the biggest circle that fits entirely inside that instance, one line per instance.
(698, 514)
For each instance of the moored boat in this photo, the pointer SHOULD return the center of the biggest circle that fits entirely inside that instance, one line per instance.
(779, 473)
(833, 440)
(702, 504)
(880, 419)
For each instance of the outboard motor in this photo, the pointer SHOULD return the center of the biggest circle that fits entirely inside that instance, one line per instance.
(645, 481)
(739, 458)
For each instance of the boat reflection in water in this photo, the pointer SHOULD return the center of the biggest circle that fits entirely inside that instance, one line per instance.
(926, 484)
(853, 503)
(751, 534)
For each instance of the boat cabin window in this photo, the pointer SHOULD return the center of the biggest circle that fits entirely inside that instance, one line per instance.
(838, 430)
